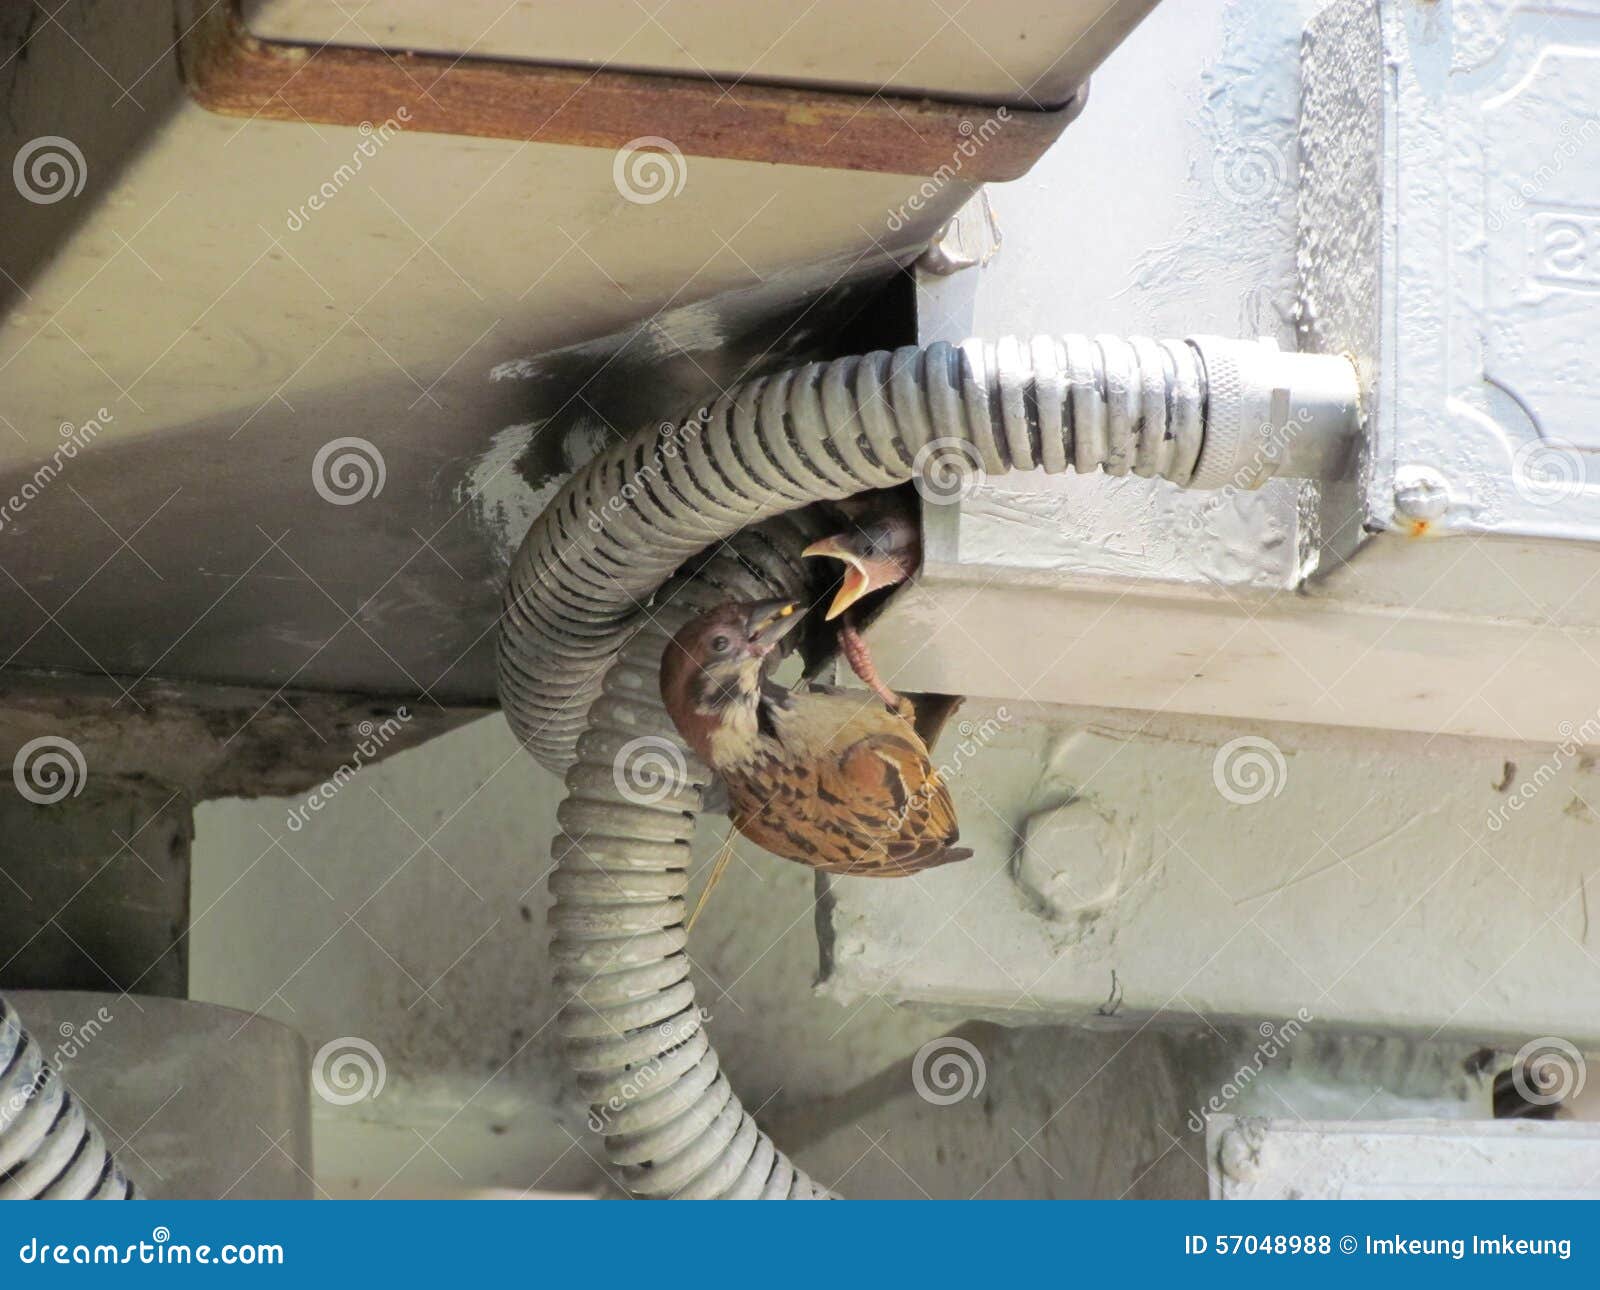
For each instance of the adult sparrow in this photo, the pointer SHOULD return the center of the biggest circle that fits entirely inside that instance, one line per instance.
(812, 775)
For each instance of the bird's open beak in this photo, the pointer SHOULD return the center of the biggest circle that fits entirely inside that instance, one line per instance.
(856, 583)
(769, 621)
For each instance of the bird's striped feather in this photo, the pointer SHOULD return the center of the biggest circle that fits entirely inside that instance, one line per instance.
(872, 807)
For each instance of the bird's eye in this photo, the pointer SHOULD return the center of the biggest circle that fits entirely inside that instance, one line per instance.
(719, 644)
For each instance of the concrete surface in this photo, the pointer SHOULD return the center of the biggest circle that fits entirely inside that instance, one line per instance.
(208, 740)
(410, 914)
(95, 876)
(1163, 867)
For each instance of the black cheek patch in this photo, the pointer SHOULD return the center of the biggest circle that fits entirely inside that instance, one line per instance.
(766, 723)
(714, 694)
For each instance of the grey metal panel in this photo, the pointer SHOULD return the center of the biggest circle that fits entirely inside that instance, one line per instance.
(197, 1102)
(223, 298)
(1022, 52)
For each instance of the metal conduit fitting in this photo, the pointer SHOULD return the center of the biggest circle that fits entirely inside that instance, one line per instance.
(1273, 414)
(49, 1149)
(579, 652)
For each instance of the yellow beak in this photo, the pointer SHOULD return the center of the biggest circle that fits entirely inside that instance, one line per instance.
(856, 582)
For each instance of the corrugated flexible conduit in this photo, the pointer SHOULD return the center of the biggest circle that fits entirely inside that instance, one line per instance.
(586, 616)
(49, 1149)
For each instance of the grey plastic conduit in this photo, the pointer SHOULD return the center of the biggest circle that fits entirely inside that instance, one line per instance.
(585, 619)
(49, 1149)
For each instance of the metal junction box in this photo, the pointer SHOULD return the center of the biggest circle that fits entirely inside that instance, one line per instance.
(1450, 238)
(1414, 185)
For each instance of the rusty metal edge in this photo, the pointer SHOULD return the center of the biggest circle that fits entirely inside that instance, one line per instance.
(229, 71)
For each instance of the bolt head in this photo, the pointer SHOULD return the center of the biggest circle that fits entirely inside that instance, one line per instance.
(1421, 494)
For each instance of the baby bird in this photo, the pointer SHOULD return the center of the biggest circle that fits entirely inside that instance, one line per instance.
(882, 548)
(815, 776)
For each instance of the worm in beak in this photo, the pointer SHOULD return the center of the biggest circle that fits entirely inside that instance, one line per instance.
(767, 622)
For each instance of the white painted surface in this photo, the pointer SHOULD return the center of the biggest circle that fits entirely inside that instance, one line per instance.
(1197, 238)
(1477, 221)
(1413, 636)
(1412, 1160)
(1270, 606)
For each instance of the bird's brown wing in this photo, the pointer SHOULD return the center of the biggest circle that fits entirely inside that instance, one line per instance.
(900, 805)
(876, 808)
